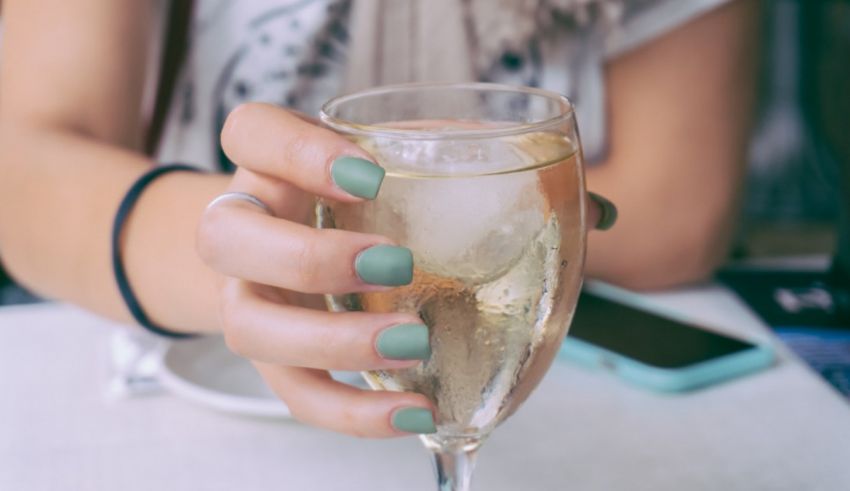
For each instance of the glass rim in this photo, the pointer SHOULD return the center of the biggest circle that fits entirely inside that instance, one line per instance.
(346, 126)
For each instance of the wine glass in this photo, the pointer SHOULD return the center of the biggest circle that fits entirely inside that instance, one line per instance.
(484, 183)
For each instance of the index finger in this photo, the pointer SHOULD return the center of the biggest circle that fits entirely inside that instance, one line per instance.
(270, 140)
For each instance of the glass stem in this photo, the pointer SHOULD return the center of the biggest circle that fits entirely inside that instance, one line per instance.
(453, 465)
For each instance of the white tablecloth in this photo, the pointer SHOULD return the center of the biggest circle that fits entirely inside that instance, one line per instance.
(781, 429)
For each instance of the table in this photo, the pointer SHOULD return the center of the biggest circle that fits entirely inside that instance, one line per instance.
(781, 429)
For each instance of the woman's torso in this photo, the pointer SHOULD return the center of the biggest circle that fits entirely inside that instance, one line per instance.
(293, 53)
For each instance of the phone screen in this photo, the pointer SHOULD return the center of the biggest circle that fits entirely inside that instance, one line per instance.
(646, 337)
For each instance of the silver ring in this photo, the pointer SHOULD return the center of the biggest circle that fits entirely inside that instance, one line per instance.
(240, 196)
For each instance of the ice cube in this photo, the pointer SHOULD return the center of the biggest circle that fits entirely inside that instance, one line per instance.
(468, 228)
(463, 220)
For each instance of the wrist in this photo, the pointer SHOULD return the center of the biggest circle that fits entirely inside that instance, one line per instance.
(174, 287)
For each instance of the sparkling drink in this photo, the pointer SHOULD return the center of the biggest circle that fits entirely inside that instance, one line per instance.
(497, 266)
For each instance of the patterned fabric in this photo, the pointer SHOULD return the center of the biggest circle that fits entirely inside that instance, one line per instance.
(294, 53)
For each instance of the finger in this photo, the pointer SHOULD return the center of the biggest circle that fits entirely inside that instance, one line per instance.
(285, 200)
(289, 255)
(601, 212)
(316, 399)
(275, 142)
(284, 334)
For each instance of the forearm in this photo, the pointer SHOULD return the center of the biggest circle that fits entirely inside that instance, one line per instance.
(60, 193)
(679, 127)
(663, 238)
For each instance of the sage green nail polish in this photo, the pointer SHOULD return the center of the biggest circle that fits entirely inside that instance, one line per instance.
(357, 176)
(609, 212)
(404, 342)
(414, 420)
(385, 265)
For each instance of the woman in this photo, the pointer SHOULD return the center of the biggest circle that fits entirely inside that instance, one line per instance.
(668, 148)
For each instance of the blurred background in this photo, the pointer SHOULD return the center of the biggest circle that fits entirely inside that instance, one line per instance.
(797, 197)
(794, 191)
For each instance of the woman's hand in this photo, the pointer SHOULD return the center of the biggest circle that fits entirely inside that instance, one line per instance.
(276, 266)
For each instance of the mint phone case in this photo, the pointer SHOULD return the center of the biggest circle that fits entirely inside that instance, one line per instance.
(677, 379)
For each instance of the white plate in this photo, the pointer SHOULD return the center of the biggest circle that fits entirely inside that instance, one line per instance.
(204, 371)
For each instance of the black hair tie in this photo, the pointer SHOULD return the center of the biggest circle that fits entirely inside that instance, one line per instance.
(124, 209)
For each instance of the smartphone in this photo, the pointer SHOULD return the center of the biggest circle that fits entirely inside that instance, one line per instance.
(654, 351)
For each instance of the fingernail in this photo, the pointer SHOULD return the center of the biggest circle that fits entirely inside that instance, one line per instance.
(404, 342)
(357, 176)
(608, 210)
(414, 420)
(385, 265)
